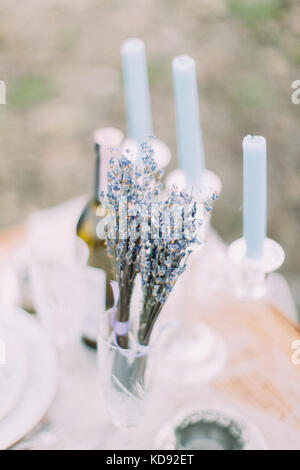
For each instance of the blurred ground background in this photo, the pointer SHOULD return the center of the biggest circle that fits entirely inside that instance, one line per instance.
(61, 64)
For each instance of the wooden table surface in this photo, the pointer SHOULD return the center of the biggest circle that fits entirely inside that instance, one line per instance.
(260, 373)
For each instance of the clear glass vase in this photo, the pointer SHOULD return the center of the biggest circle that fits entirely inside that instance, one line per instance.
(126, 377)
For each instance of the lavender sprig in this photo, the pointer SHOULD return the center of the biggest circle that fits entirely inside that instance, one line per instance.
(163, 258)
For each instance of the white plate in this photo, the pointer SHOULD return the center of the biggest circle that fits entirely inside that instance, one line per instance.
(13, 370)
(36, 386)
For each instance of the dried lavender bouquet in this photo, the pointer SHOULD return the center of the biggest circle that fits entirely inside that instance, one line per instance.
(151, 237)
(130, 189)
(147, 235)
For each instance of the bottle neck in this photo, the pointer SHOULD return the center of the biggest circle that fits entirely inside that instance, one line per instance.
(102, 165)
(97, 188)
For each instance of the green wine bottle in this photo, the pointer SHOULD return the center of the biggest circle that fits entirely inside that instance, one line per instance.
(91, 216)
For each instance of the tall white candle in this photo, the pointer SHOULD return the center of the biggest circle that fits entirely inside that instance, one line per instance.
(136, 88)
(189, 135)
(255, 194)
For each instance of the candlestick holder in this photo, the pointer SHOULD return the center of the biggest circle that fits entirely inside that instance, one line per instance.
(250, 276)
(195, 354)
(209, 183)
(161, 152)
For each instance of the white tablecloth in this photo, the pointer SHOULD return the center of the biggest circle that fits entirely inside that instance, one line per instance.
(78, 418)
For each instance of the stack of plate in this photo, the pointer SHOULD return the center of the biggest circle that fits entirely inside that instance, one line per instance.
(28, 374)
